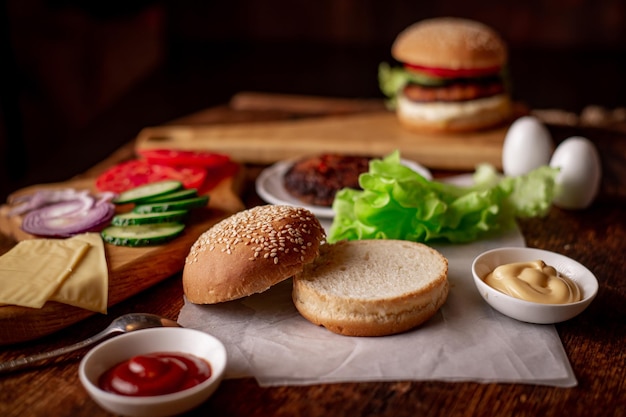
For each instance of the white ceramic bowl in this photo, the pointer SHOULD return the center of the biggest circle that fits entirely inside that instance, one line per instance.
(167, 339)
(529, 311)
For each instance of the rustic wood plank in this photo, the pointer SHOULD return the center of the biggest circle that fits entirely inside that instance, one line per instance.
(373, 133)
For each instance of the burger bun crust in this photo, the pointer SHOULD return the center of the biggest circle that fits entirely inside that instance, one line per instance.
(372, 287)
(451, 43)
(249, 252)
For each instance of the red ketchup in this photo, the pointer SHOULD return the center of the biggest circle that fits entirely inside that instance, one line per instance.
(155, 374)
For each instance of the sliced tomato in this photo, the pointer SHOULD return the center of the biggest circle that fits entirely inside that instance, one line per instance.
(454, 73)
(127, 175)
(174, 157)
(216, 174)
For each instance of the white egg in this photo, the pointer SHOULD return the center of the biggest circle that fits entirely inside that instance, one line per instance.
(527, 145)
(578, 180)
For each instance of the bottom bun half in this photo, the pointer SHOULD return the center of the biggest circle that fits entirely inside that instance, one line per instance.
(372, 287)
(454, 116)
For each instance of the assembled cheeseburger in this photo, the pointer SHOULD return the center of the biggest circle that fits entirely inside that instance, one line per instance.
(452, 76)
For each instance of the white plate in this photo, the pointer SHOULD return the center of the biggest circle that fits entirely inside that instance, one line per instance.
(462, 180)
(269, 186)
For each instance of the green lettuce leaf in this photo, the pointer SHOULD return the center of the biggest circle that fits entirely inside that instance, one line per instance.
(391, 80)
(397, 203)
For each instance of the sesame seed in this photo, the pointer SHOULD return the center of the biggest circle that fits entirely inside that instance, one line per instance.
(271, 230)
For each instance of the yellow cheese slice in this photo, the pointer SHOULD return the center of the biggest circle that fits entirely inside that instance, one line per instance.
(88, 285)
(34, 269)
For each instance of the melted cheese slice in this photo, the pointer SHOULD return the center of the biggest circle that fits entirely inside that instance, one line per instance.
(71, 271)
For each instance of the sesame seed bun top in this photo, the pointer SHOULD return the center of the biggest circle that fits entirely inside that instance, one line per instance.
(249, 252)
(451, 43)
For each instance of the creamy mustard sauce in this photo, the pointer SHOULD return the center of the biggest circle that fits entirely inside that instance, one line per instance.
(534, 281)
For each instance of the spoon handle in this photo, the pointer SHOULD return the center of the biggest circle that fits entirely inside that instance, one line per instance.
(16, 364)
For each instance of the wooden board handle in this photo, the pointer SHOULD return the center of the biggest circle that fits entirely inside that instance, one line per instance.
(306, 105)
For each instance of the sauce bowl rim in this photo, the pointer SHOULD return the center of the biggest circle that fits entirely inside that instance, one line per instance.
(87, 375)
(531, 311)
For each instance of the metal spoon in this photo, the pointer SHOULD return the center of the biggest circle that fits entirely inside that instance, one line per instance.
(123, 324)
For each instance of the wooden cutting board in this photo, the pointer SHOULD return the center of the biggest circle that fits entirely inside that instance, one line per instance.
(131, 270)
(373, 133)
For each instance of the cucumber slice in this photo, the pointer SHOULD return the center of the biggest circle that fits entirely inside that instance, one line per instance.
(138, 194)
(131, 219)
(142, 235)
(176, 195)
(187, 204)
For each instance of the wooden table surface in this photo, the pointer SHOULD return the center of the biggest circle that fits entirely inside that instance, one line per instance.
(595, 341)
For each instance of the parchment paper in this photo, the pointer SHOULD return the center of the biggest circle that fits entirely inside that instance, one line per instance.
(466, 340)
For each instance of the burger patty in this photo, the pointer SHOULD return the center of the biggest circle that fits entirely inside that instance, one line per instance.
(315, 180)
(461, 91)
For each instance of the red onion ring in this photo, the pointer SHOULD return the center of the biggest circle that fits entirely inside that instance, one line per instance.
(68, 218)
(42, 198)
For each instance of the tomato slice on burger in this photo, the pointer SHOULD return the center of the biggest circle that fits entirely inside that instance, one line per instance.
(453, 73)
(127, 175)
(173, 157)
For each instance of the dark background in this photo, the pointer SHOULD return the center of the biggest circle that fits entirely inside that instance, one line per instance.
(80, 78)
